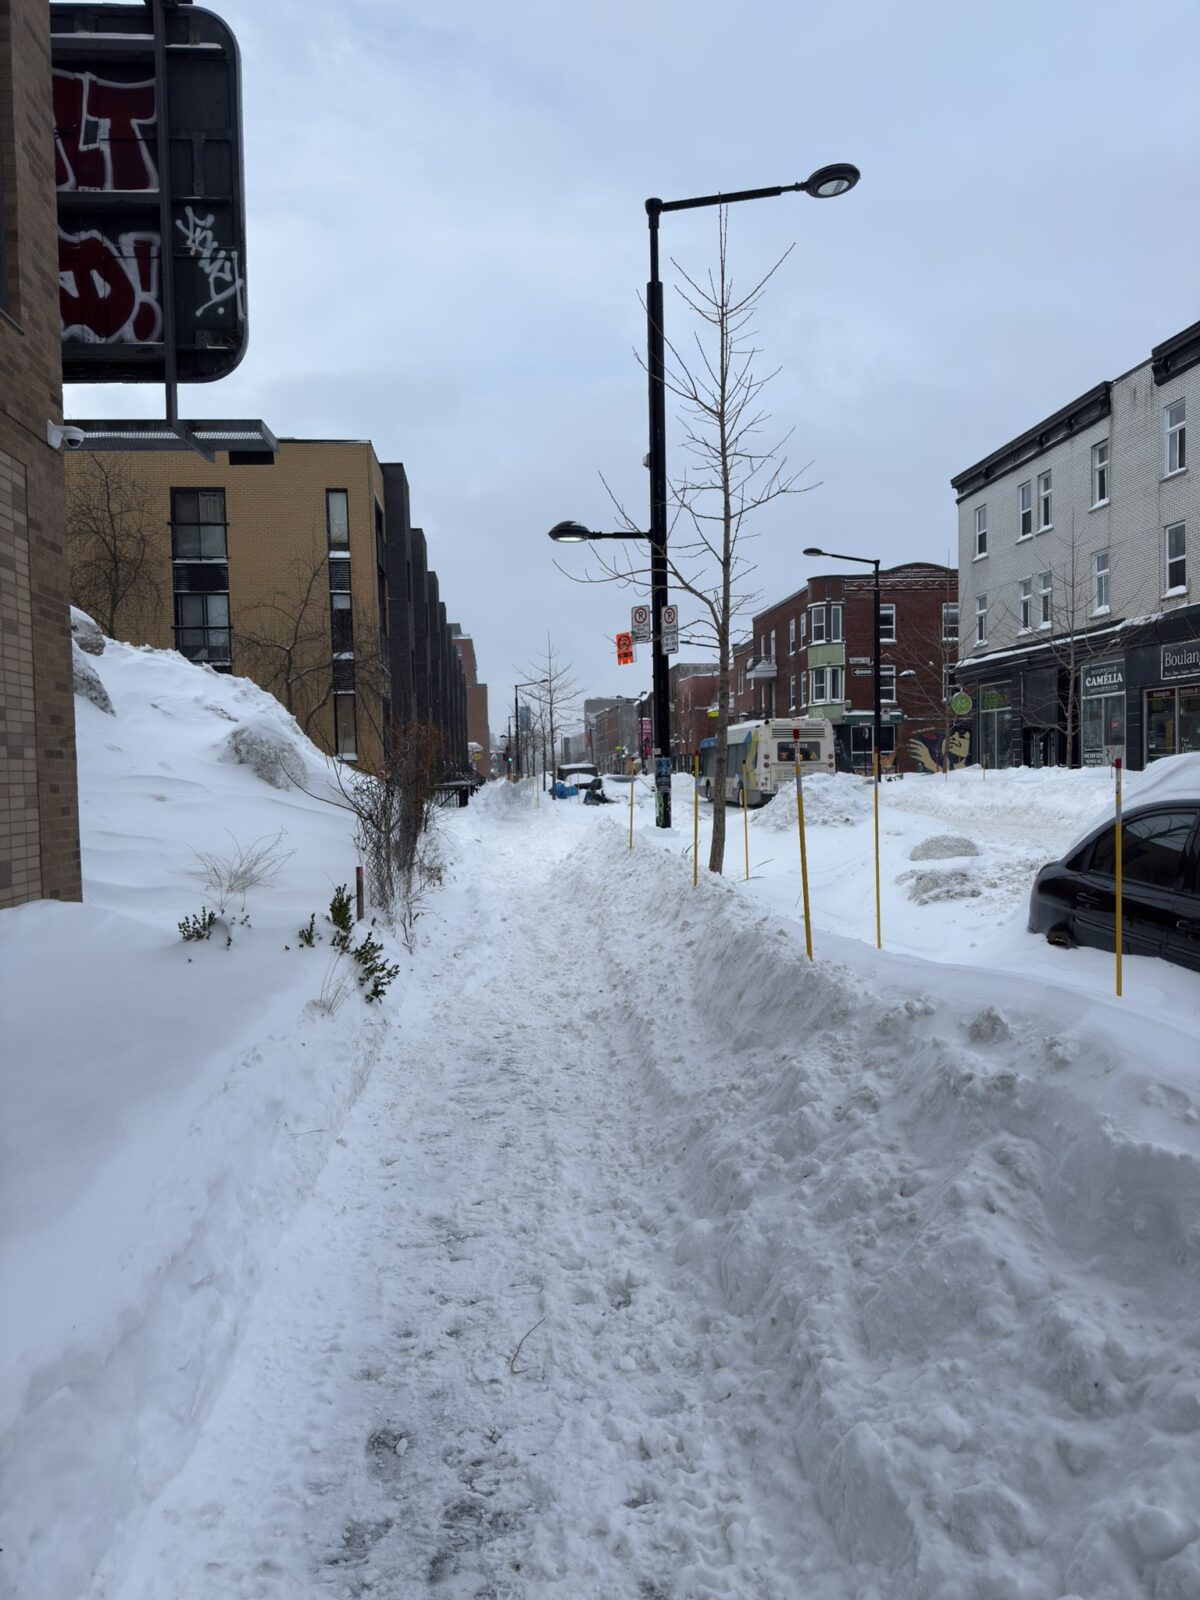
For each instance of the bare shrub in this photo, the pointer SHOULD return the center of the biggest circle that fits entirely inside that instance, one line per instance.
(249, 866)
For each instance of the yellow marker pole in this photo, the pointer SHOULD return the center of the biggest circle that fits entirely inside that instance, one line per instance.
(746, 815)
(631, 788)
(878, 921)
(696, 820)
(803, 853)
(1118, 865)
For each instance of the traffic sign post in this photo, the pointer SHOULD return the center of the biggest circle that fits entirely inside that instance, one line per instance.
(639, 624)
(669, 631)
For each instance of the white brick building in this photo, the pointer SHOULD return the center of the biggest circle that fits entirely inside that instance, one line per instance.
(1079, 574)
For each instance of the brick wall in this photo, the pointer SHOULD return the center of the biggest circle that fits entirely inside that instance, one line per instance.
(39, 822)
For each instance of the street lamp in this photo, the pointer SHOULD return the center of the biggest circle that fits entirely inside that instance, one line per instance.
(865, 561)
(531, 683)
(824, 184)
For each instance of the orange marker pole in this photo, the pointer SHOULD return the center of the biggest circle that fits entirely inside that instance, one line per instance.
(746, 816)
(696, 819)
(1118, 867)
(878, 920)
(803, 850)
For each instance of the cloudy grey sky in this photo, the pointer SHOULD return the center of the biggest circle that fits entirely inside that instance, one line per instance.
(447, 245)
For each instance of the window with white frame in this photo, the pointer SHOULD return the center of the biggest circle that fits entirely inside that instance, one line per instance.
(1025, 604)
(1100, 473)
(947, 669)
(1100, 581)
(1176, 440)
(835, 684)
(820, 676)
(980, 531)
(887, 684)
(1025, 510)
(981, 610)
(792, 692)
(1174, 558)
(803, 628)
(1045, 599)
(762, 644)
(803, 689)
(791, 636)
(950, 620)
(835, 624)
(887, 624)
(771, 644)
(1045, 518)
(816, 624)
(741, 688)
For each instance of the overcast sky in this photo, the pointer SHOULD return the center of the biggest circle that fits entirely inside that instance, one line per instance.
(447, 245)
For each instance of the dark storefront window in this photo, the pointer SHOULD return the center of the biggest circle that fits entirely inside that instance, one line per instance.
(1172, 722)
(995, 724)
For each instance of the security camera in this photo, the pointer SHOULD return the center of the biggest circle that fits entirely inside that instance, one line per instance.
(60, 436)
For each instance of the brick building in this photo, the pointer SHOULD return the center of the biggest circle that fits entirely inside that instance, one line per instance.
(813, 652)
(1081, 607)
(693, 698)
(39, 819)
(479, 739)
(293, 562)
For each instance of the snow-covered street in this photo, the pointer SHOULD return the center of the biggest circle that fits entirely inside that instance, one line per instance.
(620, 1250)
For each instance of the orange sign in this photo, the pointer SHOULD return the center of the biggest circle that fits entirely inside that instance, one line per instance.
(624, 649)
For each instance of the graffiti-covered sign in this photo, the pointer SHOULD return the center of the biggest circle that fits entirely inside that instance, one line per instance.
(122, 169)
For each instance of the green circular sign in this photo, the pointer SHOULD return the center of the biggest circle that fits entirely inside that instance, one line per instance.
(961, 703)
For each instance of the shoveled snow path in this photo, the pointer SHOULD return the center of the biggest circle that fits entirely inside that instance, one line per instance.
(478, 1369)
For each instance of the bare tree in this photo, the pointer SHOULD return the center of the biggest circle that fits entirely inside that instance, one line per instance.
(113, 544)
(731, 474)
(554, 694)
(284, 643)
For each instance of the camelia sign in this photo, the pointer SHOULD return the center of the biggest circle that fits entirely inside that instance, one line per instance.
(147, 141)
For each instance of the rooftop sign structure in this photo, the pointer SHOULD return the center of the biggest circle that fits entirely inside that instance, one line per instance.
(147, 114)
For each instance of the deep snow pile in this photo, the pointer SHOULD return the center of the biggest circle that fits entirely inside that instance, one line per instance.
(964, 1218)
(166, 1106)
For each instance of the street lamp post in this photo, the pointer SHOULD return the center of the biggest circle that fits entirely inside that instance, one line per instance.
(866, 561)
(824, 184)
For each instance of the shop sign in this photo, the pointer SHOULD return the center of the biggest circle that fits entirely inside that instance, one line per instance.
(1104, 677)
(1180, 661)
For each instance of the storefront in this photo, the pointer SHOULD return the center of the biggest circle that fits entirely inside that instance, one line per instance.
(995, 723)
(1172, 706)
(1102, 686)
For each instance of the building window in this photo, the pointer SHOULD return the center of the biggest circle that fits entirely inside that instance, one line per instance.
(835, 624)
(803, 689)
(791, 636)
(1176, 455)
(803, 628)
(200, 575)
(950, 620)
(981, 619)
(1100, 473)
(835, 683)
(819, 685)
(345, 743)
(887, 624)
(816, 627)
(762, 644)
(1100, 581)
(1046, 599)
(741, 688)
(771, 642)
(339, 575)
(1045, 520)
(947, 669)
(887, 683)
(1025, 510)
(341, 619)
(1025, 604)
(980, 531)
(792, 692)
(1175, 558)
(337, 519)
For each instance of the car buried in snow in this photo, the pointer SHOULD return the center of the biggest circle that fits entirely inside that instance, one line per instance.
(1074, 899)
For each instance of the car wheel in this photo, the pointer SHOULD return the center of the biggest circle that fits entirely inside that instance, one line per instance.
(1060, 935)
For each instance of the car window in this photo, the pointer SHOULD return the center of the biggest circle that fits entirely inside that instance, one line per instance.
(1152, 848)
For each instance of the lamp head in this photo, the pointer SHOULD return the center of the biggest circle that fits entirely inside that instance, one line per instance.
(828, 182)
(811, 550)
(569, 533)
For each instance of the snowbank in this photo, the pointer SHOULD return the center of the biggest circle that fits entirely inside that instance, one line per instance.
(166, 1106)
(966, 1220)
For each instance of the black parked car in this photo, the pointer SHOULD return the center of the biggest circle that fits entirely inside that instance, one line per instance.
(1074, 900)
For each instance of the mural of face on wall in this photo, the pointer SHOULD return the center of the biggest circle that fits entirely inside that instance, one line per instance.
(934, 752)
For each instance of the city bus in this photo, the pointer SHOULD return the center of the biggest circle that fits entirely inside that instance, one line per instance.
(767, 752)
